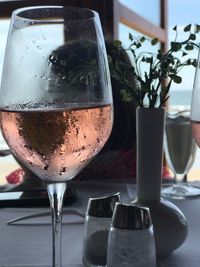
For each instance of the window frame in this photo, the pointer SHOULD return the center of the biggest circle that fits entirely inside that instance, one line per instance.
(130, 18)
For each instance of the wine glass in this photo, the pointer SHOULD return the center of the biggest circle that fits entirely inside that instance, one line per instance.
(195, 104)
(180, 150)
(56, 98)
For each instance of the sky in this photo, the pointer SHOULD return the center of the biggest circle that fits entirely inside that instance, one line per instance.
(183, 12)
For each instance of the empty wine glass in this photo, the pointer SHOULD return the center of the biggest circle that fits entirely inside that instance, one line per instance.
(180, 150)
(56, 98)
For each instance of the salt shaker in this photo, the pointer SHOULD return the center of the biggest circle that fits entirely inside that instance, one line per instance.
(97, 224)
(131, 239)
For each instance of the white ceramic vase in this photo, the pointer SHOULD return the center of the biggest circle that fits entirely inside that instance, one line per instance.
(170, 225)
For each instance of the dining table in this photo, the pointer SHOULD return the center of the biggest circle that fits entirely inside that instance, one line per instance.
(27, 241)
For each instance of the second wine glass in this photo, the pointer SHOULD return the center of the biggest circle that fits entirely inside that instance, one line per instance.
(180, 150)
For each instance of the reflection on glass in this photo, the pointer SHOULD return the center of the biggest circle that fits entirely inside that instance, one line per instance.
(150, 10)
(4, 25)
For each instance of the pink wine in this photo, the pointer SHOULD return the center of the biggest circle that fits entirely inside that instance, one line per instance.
(196, 131)
(57, 144)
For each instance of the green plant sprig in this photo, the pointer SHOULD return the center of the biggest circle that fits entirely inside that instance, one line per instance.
(152, 85)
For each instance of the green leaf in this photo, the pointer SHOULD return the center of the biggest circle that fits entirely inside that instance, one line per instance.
(130, 36)
(117, 43)
(192, 36)
(194, 63)
(176, 79)
(173, 71)
(138, 45)
(142, 39)
(159, 56)
(149, 59)
(188, 47)
(175, 46)
(175, 28)
(187, 28)
(154, 41)
(155, 75)
(197, 28)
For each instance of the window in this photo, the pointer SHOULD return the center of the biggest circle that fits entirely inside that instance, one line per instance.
(136, 17)
(149, 10)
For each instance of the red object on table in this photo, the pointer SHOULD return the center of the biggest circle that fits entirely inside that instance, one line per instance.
(15, 177)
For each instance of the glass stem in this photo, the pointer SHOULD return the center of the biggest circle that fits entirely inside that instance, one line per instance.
(56, 193)
(179, 178)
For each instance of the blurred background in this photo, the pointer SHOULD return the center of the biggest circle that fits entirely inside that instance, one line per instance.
(153, 18)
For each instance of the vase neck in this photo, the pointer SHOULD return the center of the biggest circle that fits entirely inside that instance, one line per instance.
(150, 131)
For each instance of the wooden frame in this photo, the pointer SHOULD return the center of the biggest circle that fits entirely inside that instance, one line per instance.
(131, 19)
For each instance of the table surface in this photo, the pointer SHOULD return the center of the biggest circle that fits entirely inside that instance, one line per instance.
(22, 245)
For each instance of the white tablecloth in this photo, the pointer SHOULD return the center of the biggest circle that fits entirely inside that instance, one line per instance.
(23, 245)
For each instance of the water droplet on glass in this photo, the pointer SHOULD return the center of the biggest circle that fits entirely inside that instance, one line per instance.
(62, 149)
(63, 169)
(46, 167)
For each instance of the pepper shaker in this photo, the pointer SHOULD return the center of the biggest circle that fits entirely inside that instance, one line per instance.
(97, 224)
(131, 239)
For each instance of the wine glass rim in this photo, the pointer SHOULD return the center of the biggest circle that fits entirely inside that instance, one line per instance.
(18, 13)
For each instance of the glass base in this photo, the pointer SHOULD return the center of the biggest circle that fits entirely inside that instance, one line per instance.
(180, 191)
